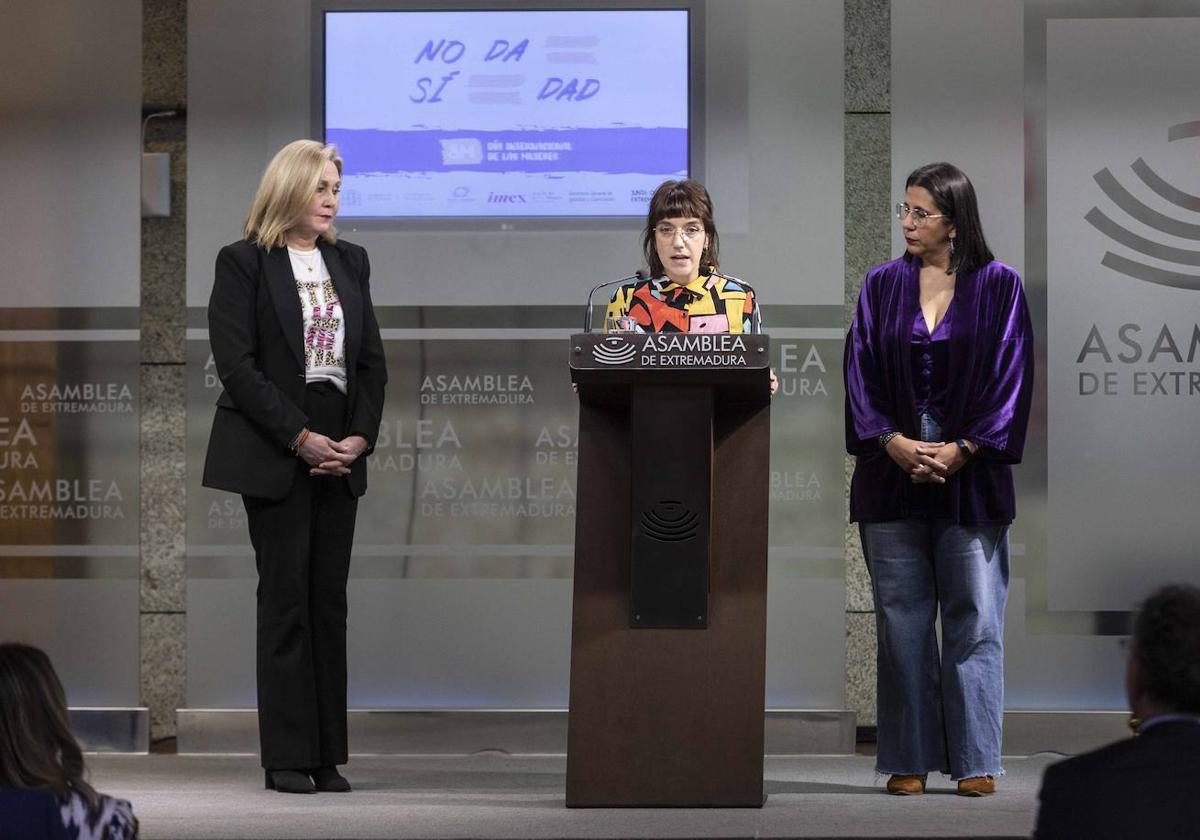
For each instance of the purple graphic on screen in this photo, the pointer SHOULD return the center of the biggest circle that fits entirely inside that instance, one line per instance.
(612, 151)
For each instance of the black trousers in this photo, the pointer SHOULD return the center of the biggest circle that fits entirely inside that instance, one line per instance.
(302, 548)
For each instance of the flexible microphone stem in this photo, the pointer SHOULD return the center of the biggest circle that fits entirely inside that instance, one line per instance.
(587, 315)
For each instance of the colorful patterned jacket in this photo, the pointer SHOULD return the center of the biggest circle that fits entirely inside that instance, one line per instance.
(712, 303)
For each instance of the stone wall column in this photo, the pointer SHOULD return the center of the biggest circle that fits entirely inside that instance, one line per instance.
(868, 242)
(163, 466)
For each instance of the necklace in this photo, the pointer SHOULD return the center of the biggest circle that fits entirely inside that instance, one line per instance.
(309, 264)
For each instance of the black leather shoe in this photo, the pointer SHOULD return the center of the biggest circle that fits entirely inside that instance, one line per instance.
(289, 781)
(329, 780)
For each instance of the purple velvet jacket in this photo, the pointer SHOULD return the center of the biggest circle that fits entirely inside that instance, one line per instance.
(989, 390)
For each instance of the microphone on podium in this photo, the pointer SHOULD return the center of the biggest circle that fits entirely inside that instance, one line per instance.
(587, 315)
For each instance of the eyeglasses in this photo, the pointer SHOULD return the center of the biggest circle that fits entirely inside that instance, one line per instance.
(919, 215)
(669, 232)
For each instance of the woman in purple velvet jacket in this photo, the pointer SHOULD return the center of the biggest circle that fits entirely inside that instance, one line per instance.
(939, 374)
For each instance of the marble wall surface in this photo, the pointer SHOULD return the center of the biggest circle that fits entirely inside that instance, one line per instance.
(868, 243)
(164, 88)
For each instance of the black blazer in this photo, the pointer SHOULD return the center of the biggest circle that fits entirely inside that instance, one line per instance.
(255, 328)
(1140, 787)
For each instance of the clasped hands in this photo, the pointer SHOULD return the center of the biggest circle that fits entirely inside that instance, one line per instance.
(327, 456)
(926, 462)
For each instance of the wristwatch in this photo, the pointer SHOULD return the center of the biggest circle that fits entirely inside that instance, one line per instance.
(963, 448)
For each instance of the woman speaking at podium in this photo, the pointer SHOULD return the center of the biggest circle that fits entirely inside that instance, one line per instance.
(939, 373)
(298, 351)
(685, 292)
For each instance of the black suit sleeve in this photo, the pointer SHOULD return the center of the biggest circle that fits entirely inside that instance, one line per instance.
(370, 367)
(233, 334)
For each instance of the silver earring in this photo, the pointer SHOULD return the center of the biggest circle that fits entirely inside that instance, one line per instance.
(952, 247)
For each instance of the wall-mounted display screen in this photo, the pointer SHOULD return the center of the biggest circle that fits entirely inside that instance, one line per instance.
(506, 113)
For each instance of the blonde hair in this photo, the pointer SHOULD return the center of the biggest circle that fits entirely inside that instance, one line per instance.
(286, 190)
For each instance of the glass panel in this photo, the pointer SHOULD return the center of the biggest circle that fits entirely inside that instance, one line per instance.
(460, 586)
(69, 353)
(1037, 129)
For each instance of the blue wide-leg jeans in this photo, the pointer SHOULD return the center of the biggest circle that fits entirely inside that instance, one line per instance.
(938, 711)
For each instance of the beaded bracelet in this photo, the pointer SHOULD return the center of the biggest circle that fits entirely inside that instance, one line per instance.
(886, 438)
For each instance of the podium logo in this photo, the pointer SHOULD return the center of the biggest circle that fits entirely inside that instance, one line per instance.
(670, 521)
(614, 350)
(1158, 222)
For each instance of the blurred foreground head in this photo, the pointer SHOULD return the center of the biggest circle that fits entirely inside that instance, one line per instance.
(1164, 666)
(37, 748)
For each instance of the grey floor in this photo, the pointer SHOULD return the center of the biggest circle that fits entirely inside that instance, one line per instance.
(500, 796)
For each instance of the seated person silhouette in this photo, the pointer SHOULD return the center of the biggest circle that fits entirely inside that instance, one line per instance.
(1144, 786)
(41, 764)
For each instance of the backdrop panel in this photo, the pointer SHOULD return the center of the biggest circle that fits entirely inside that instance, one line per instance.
(460, 585)
(70, 104)
(1124, 316)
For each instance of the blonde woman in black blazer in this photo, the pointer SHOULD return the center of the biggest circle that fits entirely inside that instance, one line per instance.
(297, 349)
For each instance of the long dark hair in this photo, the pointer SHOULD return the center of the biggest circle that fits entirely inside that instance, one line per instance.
(37, 749)
(955, 196)
(680, 199)
(1166, 643)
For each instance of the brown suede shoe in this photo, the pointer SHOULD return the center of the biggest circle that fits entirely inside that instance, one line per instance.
(906, 785)
(977, 786)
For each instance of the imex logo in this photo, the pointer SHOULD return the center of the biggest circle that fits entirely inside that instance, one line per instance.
(505, 198)
(614, 351)
(1159, 222)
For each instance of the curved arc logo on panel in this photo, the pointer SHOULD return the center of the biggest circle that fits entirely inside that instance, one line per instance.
(1160, 223)
(670, 521)
(614, 350)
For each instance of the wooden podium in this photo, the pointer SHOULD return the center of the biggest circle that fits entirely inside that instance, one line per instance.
(668, 636)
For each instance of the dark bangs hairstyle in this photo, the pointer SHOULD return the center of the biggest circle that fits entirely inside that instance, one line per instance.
(955, 196)
(37, 749)
(1166, 644)
(680, 199)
